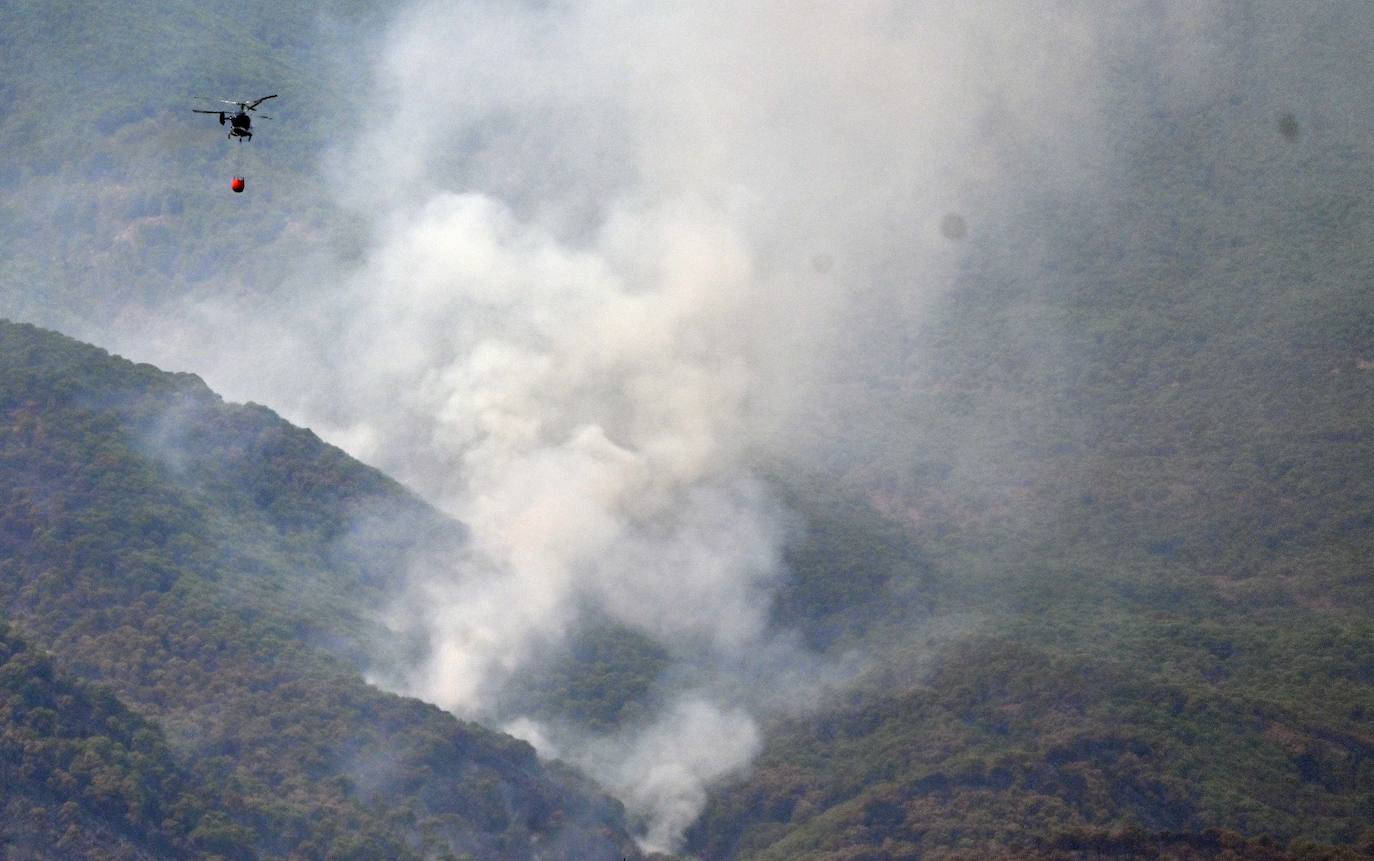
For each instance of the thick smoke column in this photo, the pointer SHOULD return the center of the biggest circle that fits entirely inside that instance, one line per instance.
(614, 252)
(592, 438)
(594, 297)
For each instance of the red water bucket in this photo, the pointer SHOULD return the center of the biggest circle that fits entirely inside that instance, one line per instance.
(236, 184)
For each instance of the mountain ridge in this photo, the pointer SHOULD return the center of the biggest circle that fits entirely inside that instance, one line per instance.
(158, 577)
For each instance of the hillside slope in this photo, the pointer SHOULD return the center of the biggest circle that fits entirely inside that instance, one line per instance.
(214, 567)
(81, 776)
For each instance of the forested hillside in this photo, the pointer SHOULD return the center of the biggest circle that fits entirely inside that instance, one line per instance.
(216, 569)
(81, 776)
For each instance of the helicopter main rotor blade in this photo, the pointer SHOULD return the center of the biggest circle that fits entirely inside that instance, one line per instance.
(254, 104)
(199, 111)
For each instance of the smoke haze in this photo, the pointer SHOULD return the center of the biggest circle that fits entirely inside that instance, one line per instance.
(615, 258)
(613, 255)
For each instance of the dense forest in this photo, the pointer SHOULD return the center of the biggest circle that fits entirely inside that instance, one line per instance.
(84, 777)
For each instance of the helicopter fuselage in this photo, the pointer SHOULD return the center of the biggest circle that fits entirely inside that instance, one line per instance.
(240, 125)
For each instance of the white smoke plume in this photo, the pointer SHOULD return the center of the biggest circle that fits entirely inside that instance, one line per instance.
(616, 244)
(613, 251)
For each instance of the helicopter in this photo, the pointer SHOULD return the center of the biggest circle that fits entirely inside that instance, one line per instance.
(240, 123)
